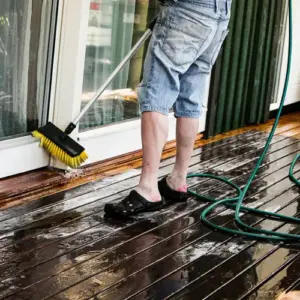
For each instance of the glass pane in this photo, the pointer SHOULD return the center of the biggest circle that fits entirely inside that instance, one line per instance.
(25, 47)
(114, 27)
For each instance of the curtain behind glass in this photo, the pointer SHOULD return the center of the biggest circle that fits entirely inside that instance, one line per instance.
(24, 47)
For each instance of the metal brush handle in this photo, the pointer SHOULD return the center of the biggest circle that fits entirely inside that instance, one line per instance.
(98, 93)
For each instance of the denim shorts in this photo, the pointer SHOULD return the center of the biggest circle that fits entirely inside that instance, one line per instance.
(185, 43)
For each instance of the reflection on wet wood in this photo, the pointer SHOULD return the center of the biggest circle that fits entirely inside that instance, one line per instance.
(61, 246)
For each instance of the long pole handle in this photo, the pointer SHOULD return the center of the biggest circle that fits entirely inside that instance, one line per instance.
(113, 75)
(99, 92)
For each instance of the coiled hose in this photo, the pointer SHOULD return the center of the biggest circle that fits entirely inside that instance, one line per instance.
(236, 203)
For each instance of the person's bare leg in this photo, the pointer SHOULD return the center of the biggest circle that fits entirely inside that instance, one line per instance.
(154, 136)
(186, 132)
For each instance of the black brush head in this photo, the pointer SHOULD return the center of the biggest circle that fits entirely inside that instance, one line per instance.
(62, 140)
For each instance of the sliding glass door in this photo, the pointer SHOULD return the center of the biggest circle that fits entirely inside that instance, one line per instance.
(26, 52)
(93, 37)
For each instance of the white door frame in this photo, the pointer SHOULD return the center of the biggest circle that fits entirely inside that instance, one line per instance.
(291, 94)
(21, 155)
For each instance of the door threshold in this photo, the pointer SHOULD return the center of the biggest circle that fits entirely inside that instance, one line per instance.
(33, 185)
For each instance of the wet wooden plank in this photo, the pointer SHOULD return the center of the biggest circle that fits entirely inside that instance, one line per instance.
(36, 183)
(133, 247)
(217, 250)
(34, 226)
(207, 158)
(274, 283)
(98, 185)
(35, 180)
(249, 274)
(231, 260)
(89, 186)
(40, 186)
(60, 253)
(231, 279)
(105, 258)
(266, 266)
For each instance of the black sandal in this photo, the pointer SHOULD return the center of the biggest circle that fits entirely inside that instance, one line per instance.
(169, 194)
(132, 205)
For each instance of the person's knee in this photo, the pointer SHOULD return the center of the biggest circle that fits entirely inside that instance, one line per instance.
(152, 107)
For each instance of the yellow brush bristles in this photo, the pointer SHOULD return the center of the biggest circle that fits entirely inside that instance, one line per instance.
(58, 153)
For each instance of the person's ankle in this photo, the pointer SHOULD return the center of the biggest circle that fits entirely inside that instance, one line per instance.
(177, 182)
(150, 194)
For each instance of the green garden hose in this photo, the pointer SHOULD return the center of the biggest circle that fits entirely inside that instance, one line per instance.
(236, 203)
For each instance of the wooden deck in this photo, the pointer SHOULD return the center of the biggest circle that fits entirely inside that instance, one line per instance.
(60, 246)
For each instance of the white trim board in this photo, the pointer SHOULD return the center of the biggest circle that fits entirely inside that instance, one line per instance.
(21, 155)
(293, 93)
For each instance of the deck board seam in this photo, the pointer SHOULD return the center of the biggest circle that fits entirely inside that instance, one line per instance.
(176, 250)
(202, 182)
